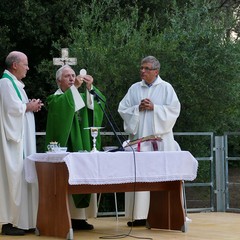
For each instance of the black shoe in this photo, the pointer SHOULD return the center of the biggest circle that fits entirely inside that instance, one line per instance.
(31, 230)
(81, 225)
(137, 223)
(8, 229)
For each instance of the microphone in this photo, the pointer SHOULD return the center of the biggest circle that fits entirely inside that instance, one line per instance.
(93, 92)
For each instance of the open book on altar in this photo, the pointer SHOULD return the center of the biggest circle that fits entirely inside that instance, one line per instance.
(150, 142)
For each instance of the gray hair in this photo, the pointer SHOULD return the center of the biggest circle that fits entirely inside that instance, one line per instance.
(12, 57)
(150, 59)
(59, 72)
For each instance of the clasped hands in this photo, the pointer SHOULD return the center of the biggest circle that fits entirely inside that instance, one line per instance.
(34, 105)
(146, 104)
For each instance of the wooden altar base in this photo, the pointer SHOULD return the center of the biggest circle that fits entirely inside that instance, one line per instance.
(165, 212)
(211, 226)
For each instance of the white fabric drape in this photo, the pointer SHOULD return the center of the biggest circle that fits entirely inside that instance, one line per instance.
(120, 167)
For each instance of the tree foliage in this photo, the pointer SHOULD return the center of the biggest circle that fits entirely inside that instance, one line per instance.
(192, 40)
(206, 65)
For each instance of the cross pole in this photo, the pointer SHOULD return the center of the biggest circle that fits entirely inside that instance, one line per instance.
(64, 59)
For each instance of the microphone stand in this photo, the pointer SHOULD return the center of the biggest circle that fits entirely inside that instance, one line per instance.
(109, 121)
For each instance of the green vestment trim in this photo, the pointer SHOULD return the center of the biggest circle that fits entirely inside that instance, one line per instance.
(66, 127)
(5, 75)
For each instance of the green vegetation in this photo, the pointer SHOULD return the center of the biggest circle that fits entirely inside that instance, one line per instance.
(190, 38)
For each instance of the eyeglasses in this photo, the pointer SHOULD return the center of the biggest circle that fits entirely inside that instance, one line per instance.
(147, 69)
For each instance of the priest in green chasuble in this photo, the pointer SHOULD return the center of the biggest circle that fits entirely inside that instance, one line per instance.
(69, 113)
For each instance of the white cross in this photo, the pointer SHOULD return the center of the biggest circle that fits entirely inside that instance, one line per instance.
(64, 60)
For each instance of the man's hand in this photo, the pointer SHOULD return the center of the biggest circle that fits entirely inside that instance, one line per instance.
(78, 81)
(88, 79)
(34, 105)
(146, 104)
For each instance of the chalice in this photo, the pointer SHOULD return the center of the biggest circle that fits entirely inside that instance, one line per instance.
(94, 134)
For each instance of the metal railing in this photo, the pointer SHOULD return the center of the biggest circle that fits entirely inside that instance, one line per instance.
(200, 193)
(232, 171)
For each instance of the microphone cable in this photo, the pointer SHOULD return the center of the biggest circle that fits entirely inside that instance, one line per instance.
(120, 236)
(114, 122)
(108, 111)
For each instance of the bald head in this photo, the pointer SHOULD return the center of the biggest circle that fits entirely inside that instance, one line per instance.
(17, 64)
(12, 57)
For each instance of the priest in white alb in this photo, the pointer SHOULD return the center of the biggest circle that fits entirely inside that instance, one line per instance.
(18, 199)
(150, 108)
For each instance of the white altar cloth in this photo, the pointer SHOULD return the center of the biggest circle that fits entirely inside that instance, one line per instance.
(122, 167)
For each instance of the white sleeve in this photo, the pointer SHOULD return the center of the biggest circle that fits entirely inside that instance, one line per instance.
(90, 99)
(129, 114)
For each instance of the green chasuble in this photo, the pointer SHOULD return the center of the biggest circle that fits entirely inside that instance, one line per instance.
(66, 127)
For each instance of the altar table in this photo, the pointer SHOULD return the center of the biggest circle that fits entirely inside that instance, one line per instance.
(61, 174)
